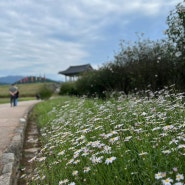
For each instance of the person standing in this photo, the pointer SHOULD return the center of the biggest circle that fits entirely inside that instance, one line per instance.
(13, 91)
(16, 97)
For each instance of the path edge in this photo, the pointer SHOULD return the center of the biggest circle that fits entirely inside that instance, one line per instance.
(12, 156)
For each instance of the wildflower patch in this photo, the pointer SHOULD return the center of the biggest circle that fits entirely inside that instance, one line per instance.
(119, 141)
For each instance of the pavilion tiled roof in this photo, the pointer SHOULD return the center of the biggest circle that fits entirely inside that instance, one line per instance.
(75, 70)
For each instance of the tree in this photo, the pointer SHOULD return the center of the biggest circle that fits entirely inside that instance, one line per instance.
(176, 30)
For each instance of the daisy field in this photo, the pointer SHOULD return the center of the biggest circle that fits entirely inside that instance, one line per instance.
(119, 141)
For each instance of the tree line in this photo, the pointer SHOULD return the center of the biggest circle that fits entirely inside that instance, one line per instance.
(140, 66)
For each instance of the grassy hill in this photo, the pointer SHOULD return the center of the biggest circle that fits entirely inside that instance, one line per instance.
(34, 79)
(26, 89)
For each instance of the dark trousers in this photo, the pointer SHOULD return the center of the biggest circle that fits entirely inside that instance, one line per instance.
(13, 101)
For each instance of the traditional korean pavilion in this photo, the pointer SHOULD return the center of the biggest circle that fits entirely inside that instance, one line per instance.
(73, 72)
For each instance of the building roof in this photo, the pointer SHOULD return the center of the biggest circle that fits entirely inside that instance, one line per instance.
(75, 70)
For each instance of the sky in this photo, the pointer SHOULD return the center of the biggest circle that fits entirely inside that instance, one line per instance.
(43, 37)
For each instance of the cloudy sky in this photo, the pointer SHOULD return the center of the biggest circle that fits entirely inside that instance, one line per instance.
(43, 37)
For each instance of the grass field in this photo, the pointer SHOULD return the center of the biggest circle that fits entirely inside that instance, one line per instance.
(26, 91)
(115, 142)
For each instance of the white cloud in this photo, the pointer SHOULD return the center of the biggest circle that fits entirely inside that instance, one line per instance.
(50, 35)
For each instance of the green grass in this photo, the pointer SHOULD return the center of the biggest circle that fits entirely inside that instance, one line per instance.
(26, 90)
(115, 142)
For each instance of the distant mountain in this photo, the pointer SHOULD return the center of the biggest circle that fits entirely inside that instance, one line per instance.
(10, 79)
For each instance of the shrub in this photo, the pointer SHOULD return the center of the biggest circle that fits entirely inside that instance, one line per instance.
(95, 83)
(68, 88)
(45, 91)
(143, 65)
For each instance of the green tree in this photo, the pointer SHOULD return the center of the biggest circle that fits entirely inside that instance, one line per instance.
(176, 30)
(176, 35)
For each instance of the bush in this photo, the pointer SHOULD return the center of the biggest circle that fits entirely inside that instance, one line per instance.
(143, 65)
(95, 83)
(45, 92)
(68, 88)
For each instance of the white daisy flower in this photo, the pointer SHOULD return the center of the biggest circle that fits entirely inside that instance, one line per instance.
(158, 175)
(72, 183)
(167, 181)
(75, 173)
(110, 160)
(86, 169)
(179, 177)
